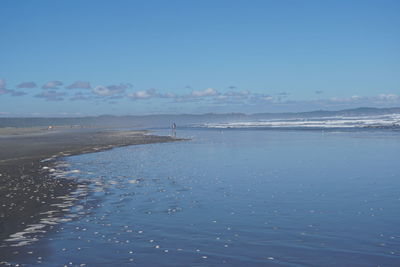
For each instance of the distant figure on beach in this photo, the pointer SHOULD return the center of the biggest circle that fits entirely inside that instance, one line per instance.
(173, 127)
(50, 128)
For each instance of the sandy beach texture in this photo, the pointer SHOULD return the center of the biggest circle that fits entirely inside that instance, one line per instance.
(27, 190)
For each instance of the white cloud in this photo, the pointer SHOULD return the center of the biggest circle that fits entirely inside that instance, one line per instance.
(4, 90)
(388, 97)
(27, 85)
(17, 93)
(243, 93)
(221, 97)
(110, 90)
(151, 93)
(268, 98)
(354, 98)
(102, 91)
(2, 84)
(168, 95)
(51, 95)
(52, 85)
(79, 96)
(143, 94)
(79, 85)
(204, 93)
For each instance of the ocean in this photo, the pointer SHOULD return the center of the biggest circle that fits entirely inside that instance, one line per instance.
(229, 196)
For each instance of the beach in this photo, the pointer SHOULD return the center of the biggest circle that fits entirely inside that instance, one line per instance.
(27, 188)
(240, 197)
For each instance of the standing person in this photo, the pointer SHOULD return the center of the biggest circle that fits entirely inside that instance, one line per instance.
(173, 129)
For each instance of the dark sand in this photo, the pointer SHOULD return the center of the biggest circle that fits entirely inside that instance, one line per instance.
(26, 189)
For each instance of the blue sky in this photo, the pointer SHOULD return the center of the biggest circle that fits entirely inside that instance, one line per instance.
(64, 58)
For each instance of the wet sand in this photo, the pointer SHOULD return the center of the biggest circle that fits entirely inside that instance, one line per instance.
(13, 131)
(27, 189)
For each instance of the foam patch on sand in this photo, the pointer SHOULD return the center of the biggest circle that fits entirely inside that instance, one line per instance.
(62, 212)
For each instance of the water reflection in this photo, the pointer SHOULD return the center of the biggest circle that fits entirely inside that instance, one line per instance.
(239, 198)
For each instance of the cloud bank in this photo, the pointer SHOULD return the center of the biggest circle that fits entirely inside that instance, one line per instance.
(227, 98)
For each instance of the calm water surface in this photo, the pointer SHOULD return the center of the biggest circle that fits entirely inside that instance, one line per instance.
(237, 197)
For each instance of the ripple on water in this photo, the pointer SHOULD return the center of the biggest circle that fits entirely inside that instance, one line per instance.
(230, 200)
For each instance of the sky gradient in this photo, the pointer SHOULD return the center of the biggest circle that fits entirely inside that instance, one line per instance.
(75, 58)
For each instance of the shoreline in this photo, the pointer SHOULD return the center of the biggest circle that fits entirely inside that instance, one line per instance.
(27, 188)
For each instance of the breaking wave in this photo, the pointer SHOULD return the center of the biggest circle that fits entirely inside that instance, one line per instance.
(379, 121)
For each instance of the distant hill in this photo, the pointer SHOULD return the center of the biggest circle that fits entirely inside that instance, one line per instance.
(165, 120)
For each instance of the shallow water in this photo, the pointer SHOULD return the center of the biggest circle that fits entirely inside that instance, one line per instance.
(234, 197)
